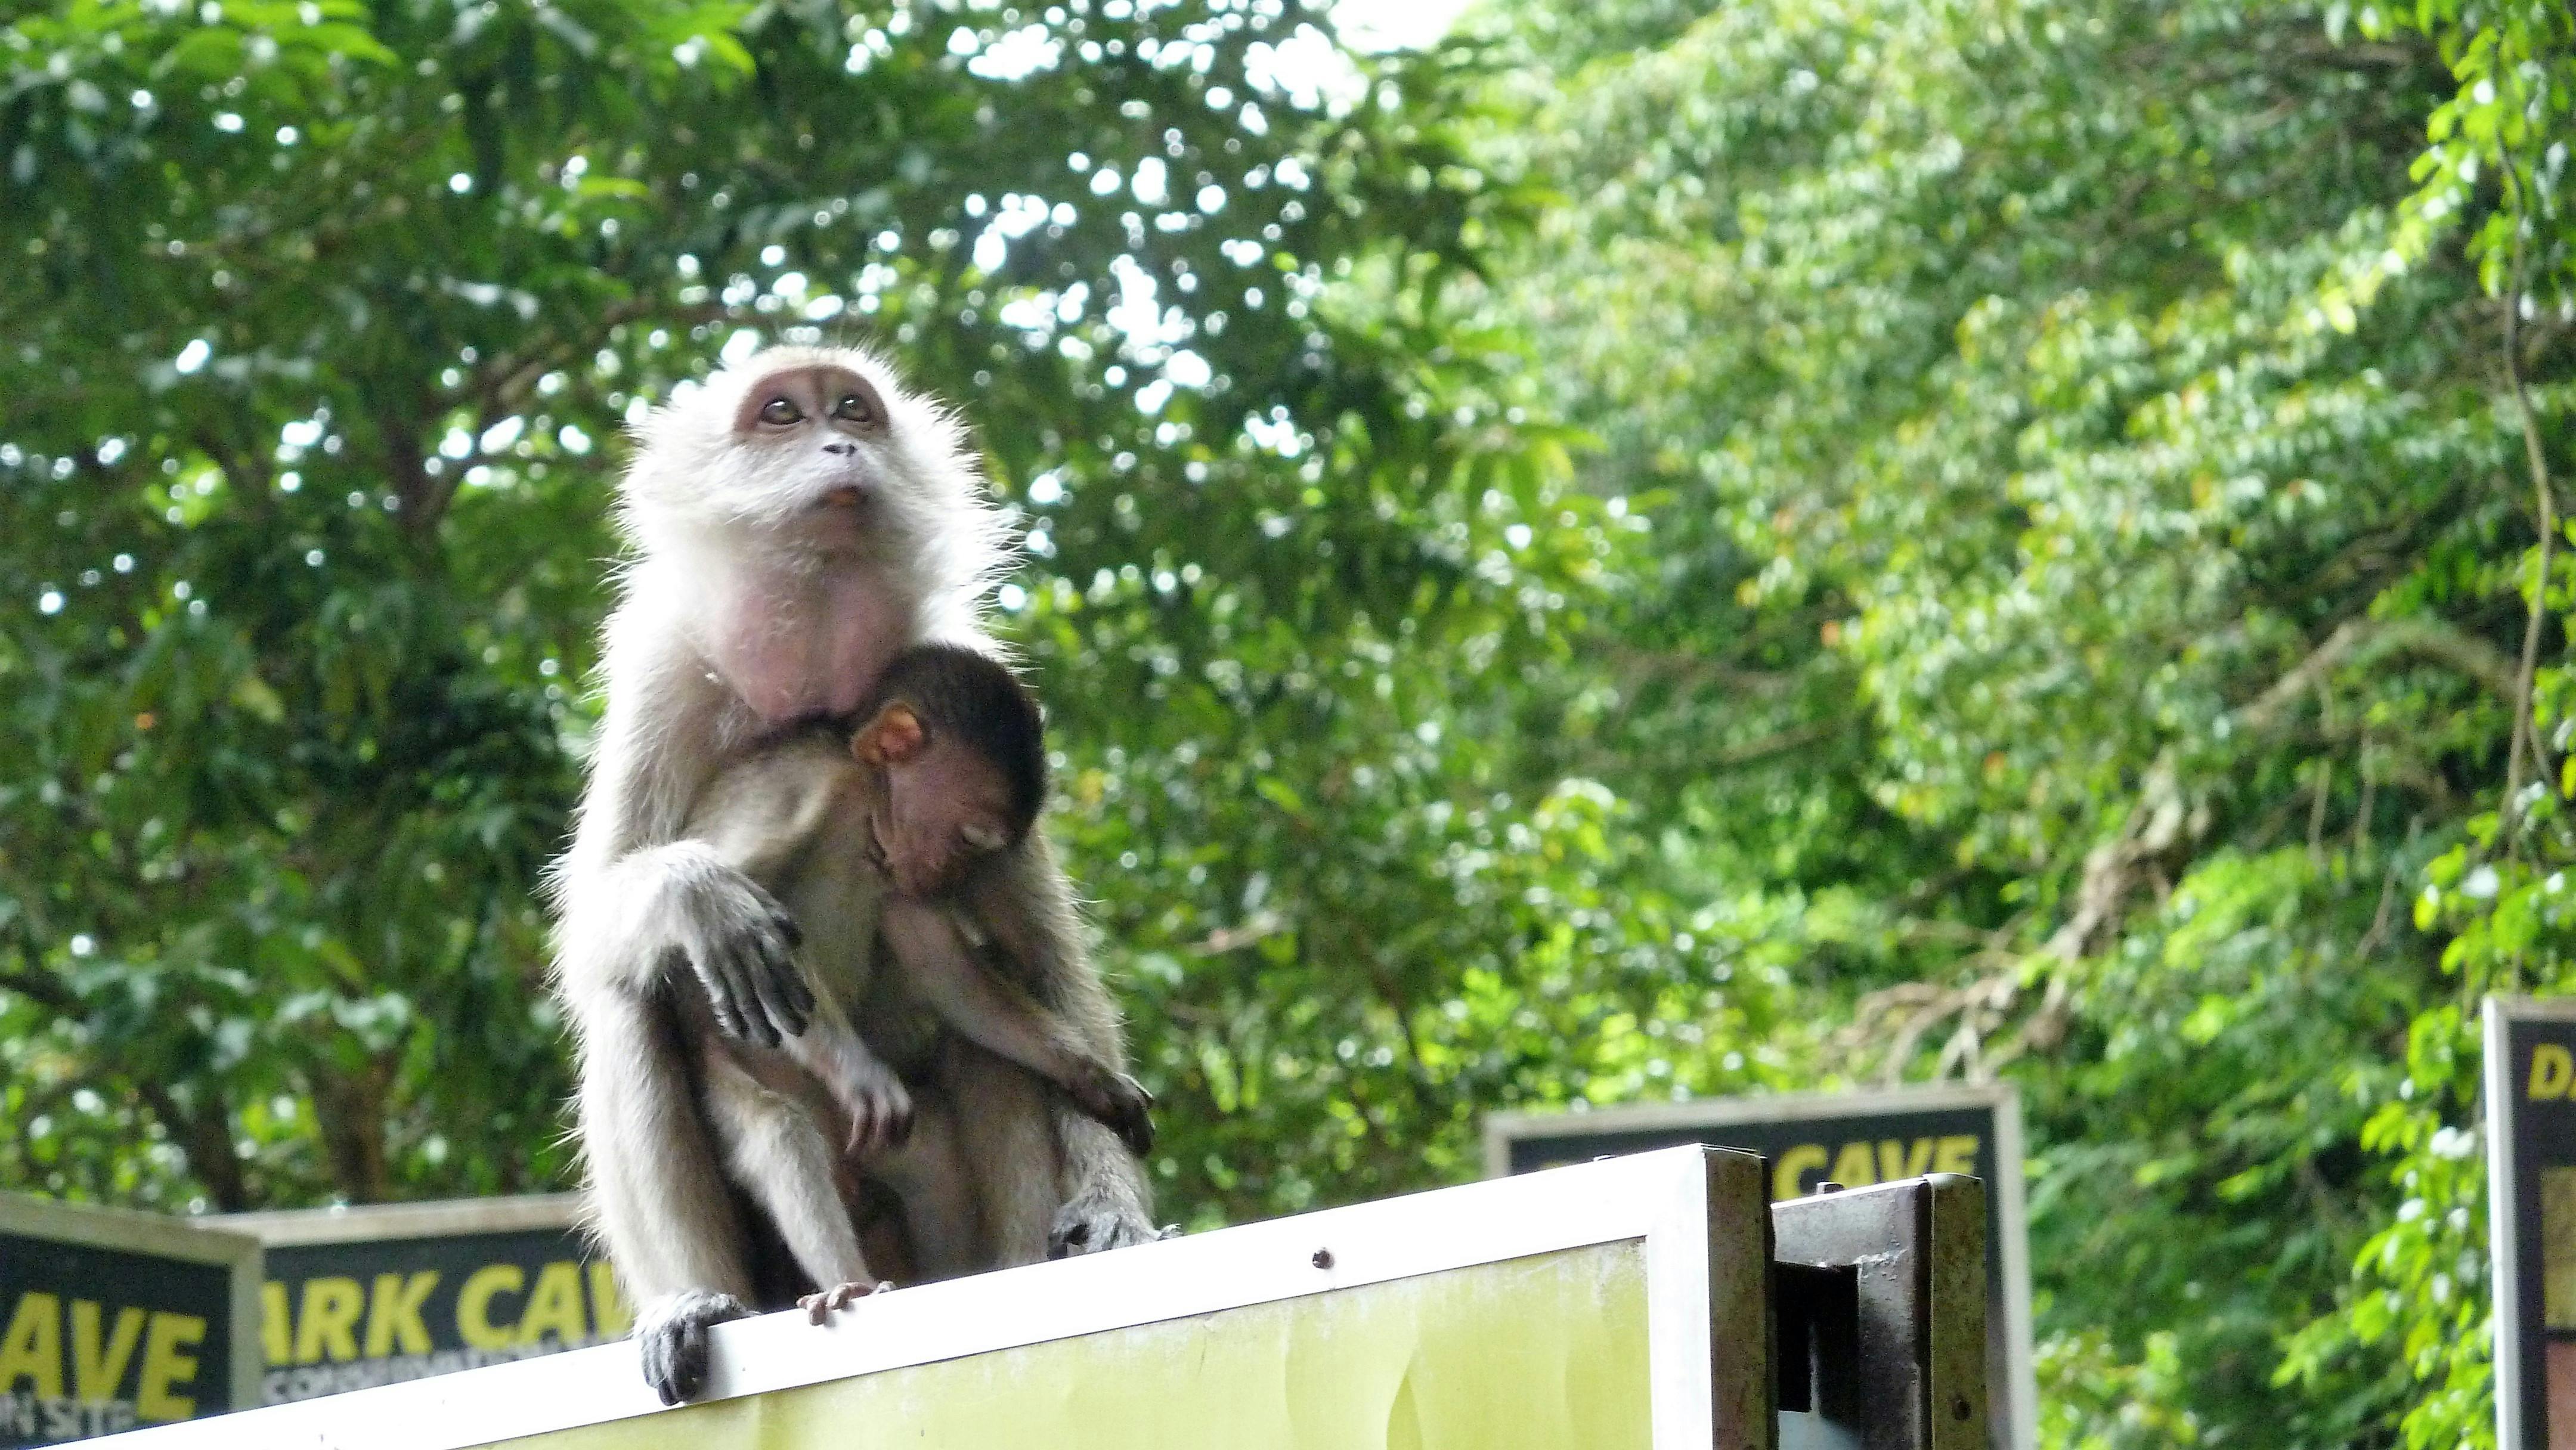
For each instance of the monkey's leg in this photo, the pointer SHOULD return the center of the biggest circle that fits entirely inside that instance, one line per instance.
(976, 1001)
(1109, 1205)
(657, 1197)
(1023, 898)
(774, 1150)
(1008, 1148)
(942, 1217)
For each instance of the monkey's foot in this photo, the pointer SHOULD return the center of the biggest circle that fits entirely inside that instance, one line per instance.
(819, 1307)
(671, 1339)
(1120, 1102)
(1097, 1220)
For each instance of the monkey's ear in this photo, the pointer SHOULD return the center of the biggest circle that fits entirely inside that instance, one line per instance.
(895, 735)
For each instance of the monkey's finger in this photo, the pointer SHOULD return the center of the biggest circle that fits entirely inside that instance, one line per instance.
(1135, 1128)
(710, 970)
(743, 972)
(657, 1365)
(799, 993)
(780, 984)
(867, 1131)
(800, 996)
(770, 1004)
(770, 974)
(689, 1358)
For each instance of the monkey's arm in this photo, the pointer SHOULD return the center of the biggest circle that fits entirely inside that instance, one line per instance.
(627, 897)
(631, 893)
(766, 815)
(656, 1200)
(1024, 900)
(998, 1013)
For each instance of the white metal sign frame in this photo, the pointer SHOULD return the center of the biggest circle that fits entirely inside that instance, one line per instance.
(2011, 1214)
(1702, 1217)
(159, 1236)
(439, 1218)
(2504, 1121)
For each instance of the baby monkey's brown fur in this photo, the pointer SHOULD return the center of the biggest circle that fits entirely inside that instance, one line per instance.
(873, 844)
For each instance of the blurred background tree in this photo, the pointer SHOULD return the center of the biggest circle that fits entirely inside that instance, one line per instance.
(1641, 550)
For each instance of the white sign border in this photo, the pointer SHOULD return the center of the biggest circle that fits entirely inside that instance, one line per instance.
(1662, 1199)
(392, 1222)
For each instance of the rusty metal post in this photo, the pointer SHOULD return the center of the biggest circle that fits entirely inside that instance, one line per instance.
(1881, 1299)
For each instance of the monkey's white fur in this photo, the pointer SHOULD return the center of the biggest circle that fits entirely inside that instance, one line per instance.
(753, 600)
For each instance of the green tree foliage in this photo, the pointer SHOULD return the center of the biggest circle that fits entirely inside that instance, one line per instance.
(2094, 480)
(1657, 549)
(328, 318)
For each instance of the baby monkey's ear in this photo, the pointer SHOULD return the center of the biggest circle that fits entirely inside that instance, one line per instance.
(894, 736)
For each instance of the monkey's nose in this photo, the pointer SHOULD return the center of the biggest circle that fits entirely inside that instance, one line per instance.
(843, 449)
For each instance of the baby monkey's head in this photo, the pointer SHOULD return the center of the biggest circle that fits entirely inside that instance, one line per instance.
(961, 748)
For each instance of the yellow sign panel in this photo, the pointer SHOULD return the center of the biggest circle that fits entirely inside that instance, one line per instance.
(1540, 1353)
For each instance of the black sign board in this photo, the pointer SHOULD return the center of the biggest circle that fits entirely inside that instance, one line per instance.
(2531, 1163)
(1854, 1139)
(368, 1296)
(111, 1320)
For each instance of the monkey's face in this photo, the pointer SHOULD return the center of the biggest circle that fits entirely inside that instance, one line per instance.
(818, 433)
(811, 445)
(944, 807)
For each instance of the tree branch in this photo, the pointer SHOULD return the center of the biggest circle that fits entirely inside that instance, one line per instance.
(2359, 640)
(2526, 729)
(207, 1139)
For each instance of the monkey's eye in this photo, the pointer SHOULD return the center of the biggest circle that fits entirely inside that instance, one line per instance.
(781, 412)
(851, 408)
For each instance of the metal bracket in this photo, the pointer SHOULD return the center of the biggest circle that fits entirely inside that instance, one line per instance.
(1879, 1299)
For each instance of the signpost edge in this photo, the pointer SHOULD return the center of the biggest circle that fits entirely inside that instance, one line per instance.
(2502, 1252)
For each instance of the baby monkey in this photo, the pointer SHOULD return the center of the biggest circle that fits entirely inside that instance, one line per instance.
(872, 841)
(958, 750)
(952, 769)
(946, 771)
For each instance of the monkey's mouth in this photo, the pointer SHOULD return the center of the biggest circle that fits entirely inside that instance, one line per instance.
(846, 496)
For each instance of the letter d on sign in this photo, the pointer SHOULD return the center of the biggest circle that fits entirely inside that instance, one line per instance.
(2552, 1071)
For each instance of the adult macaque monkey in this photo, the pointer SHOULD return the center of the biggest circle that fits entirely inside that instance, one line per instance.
(796, 522)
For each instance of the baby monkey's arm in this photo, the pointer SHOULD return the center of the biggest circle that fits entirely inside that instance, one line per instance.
(766, 820)
(975, 999)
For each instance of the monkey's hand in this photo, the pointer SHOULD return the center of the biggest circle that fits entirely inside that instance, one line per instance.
(1099, 1218)
(671, 1338)
(1119, 1101)
(742, 943)
(880, 1110)
(819, 1307)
